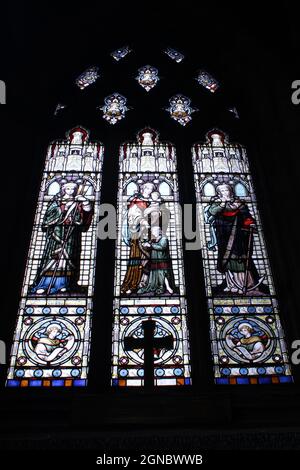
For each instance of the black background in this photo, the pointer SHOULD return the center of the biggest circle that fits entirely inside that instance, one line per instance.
(255, 56)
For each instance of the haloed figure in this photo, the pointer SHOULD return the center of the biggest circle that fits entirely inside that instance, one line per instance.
(232, 228)
(249, 345)
(135, 228)
(161, 279)
(67, 216)
(52, 344)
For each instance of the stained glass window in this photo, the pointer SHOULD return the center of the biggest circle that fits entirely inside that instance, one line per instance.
(174, 55)
(88, 77)
(150, 335)
(207, 81)
(180, 109)
(247, 339)
(119, 54)
(114, 108)
(52, 337)
(147, 77)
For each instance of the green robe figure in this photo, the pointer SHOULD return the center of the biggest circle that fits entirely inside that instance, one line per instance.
(161, 278)
(232, 228)
(67, 216)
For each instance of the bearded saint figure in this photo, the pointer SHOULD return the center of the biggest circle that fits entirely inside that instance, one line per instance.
(66, 217)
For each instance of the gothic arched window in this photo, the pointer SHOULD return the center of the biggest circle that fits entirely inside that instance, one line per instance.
(153, 304)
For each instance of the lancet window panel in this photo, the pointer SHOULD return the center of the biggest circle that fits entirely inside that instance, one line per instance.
(52, 338)
(247, 339)
(149, 278)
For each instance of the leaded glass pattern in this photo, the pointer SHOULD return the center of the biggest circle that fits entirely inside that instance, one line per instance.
(147, 77)
(207, 81)
(247, 338)
(180, 109)
(149, 291)
(174, 55)
(52, 337)
(114, 108)
(88, 77)
(119, 54)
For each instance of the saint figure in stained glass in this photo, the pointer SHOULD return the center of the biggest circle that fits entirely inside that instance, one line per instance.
(51, 342)
(160, 278)
(67, 216)
(248, 340)
(149, 268)
(232, 227)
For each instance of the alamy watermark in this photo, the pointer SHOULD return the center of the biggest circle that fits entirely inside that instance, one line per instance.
(2, 352)
(296, 94)
(295, 357)
(134, 225)
(2, 92)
